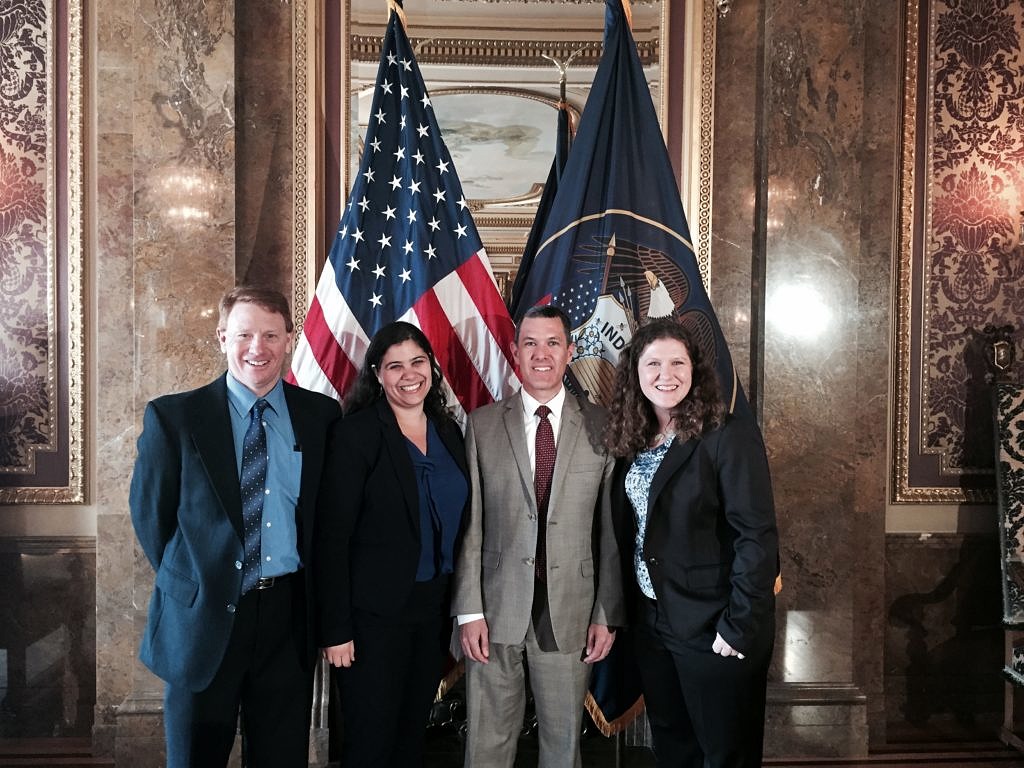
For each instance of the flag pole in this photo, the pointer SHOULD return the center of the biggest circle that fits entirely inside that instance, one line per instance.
(396, 6)
(563, 68)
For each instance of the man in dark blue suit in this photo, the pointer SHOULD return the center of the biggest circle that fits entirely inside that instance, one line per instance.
(223, 499)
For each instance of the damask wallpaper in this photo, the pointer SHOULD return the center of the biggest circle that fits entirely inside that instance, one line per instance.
(26, 347)
(40, 270)
(961, 262)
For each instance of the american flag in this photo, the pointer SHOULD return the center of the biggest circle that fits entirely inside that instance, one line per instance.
(407, 249)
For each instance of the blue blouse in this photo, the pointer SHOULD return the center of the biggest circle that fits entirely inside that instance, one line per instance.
(638, 489)
(443, 491)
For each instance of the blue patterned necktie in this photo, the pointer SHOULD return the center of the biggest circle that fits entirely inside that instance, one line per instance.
(254, 477)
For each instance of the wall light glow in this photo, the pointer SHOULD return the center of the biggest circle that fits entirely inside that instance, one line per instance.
(799, 310)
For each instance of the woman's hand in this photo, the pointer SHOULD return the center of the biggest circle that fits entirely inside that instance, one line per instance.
(343, 655)
(722, 648)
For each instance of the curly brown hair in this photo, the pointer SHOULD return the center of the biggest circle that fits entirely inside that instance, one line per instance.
(632, 423)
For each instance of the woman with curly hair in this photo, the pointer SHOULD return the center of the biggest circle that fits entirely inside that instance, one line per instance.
(395, 497)
(695, 522)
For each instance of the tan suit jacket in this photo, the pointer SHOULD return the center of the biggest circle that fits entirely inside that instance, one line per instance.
(494, 572)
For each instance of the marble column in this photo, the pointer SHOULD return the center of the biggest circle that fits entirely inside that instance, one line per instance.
(800, 271)
(165, 253)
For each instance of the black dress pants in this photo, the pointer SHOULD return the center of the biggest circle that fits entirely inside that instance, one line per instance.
(263, 674)
(387, 693)
(705, 710)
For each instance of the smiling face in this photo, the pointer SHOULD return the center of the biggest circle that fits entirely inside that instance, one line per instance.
(542, 354)
(666, 375)
(404, 374)
(255, 343)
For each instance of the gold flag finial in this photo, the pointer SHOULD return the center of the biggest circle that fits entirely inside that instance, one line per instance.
(397, 8)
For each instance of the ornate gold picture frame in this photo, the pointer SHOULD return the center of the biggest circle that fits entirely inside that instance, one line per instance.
(42, 430)
(328, 44)
(959, 266)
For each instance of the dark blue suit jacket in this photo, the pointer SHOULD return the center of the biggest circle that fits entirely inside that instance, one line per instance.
(187, 511)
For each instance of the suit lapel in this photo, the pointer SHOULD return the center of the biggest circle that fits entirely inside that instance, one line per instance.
(214, 441)
(678, 454)
(517, 440)
(397, 449)
(568, 433)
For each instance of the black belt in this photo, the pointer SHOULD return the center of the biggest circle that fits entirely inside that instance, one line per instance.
(269, 581)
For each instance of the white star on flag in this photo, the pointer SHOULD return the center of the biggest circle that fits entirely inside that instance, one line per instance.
(438, 279)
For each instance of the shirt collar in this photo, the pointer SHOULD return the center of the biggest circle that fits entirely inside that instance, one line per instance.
(242, 398)
(530, 404)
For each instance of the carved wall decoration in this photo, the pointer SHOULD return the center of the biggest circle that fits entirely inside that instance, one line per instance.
(959, 265)
(41, 333)
(1009, 402)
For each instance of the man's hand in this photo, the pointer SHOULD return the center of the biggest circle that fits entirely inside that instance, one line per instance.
(599, 643)
(475, 645)
(722, 648)
(343, 655)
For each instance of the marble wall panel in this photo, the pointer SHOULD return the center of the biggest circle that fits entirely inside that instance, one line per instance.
(184, 190)
(944, 639)
(165, 251)
(113, 47)
(813, 122)
(47, 637)
(116, 662)
(264, 180)
(114, 352)
(732, 254)
(868, 458)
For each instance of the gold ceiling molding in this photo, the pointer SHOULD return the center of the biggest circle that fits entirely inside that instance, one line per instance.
(507, 53)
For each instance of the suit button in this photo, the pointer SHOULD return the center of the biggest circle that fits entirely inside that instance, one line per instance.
(652, 560)
(238, 565)
(528, 560)
(231, 607)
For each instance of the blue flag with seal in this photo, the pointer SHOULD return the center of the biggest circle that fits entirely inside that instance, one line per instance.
(615, 253)
(563, 139)
(616, 250)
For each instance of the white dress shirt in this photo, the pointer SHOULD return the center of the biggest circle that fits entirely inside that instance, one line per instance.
(530, 422)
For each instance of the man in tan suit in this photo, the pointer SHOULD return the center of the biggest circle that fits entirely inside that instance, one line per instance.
(538, 574)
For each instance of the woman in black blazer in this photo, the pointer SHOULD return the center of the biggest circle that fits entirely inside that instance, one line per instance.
(396, 492)
(695, 521)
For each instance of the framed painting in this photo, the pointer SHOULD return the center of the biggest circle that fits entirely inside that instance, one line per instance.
(960, 264)
(42, 430)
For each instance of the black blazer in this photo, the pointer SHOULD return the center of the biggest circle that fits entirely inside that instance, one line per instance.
(368, 541)
(186, 507)
(711, 544)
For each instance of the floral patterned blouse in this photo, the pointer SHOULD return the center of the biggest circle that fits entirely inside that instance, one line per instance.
(638, 488)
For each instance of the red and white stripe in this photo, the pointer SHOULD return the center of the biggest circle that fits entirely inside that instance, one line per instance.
(463, 316)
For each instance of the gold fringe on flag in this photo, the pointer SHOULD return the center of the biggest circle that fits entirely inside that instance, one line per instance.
(450, 679)
(628, 10)
(393, 6)
(619, 723)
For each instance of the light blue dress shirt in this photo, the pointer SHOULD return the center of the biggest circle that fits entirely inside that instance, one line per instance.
(279, 551)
